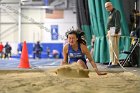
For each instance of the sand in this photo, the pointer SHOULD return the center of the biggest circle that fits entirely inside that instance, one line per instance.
(47, 81)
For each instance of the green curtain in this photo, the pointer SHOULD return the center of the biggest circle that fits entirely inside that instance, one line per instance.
(98, 20)
(92, 19)
(98, 17)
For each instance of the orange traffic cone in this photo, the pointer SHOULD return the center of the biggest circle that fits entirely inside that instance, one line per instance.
(24, 61)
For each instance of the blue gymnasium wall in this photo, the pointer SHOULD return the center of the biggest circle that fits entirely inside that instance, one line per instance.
(52, 46)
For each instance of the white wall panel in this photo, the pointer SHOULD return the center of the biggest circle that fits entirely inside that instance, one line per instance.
(33, 15)
(9, 33)
(31, 33)
(63, 25)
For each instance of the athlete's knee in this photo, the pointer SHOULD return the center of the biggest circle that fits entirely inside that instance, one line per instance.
(81, 63)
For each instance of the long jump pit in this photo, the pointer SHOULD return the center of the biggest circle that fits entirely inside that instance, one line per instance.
(68, 79)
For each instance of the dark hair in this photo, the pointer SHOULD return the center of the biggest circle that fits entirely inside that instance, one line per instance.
(79, 34)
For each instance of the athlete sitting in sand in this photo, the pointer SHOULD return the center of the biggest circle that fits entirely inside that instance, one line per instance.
(76, 50)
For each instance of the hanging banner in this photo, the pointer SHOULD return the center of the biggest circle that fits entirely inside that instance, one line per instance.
(54, 32)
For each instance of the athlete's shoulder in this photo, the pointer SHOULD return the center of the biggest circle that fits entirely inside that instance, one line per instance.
(65, 47)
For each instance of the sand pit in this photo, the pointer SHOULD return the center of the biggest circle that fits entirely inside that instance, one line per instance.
(46, 81)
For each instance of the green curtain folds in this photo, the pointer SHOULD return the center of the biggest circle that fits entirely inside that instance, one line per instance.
(92, 19)
(98, 18)
(86, 30)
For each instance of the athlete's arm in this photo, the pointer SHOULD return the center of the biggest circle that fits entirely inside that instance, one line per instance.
(87, 53)
(65, 55)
